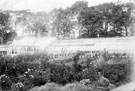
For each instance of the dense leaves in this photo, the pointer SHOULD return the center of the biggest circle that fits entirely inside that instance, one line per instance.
(4, 25)
(77, 21)
(116, 73)
(106, 20)
(30, 73)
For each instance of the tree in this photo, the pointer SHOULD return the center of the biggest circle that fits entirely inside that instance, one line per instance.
(32, 23)
(106, 20)
(65, 21)
(75, 10)
(4, 26)
(20, 21)
(38, 24)
(127, 17)
(78, 6)
(91, 21)
(121, 18)
(9, 36)
(105, 10)
(62, 25)
(22, 17)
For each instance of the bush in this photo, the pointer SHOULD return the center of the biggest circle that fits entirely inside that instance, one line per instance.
(35, 70)
(5, 82)
(60, 74)
(115, 73)
(17, 87)
(90, 74)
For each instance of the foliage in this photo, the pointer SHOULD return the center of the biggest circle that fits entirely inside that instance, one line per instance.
(78, 6)
(17, 87)
(90, 21)
(79, 20)
(5, 82)
(115, 73)
(62, 24)
(106, 20)
(38, 24)
(4, 25)
(25, 70)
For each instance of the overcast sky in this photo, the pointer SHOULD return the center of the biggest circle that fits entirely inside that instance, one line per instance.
(45, 5)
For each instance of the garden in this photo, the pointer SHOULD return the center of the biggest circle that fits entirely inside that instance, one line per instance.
(97, 72)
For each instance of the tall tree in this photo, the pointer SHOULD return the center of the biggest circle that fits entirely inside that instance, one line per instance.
(127, 17)
(78, 6)
(91, 21)
(62, 25)
(38, 24)
(75, 9)
(32, 23)
(105, 10)
(121, 18)
(106, 20)
(4, 26)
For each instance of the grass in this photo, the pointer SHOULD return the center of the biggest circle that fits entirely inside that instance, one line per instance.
(47, 87)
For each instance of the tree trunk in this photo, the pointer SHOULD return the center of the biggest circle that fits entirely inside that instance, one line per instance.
(114, 27)
(106, 29)
(1, 40)
(79, 32)
(126, 31)
(88, 33)
(106, 26)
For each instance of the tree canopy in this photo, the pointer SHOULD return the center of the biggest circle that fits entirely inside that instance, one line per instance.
(107, 20)
(77, 21)
(4, 26)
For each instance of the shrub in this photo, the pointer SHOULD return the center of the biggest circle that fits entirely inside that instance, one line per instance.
(35, 70)
(59, 74)
(5, 82)
(17, 87)
(115, 73)
(35, 77)
(90, 74)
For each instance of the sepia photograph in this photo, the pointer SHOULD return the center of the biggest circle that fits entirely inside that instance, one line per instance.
(67, 45)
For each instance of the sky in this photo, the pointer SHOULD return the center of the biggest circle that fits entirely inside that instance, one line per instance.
(45, 5)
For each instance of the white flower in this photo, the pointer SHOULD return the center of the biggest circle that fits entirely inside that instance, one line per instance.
(29, 69)
(26, 72)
